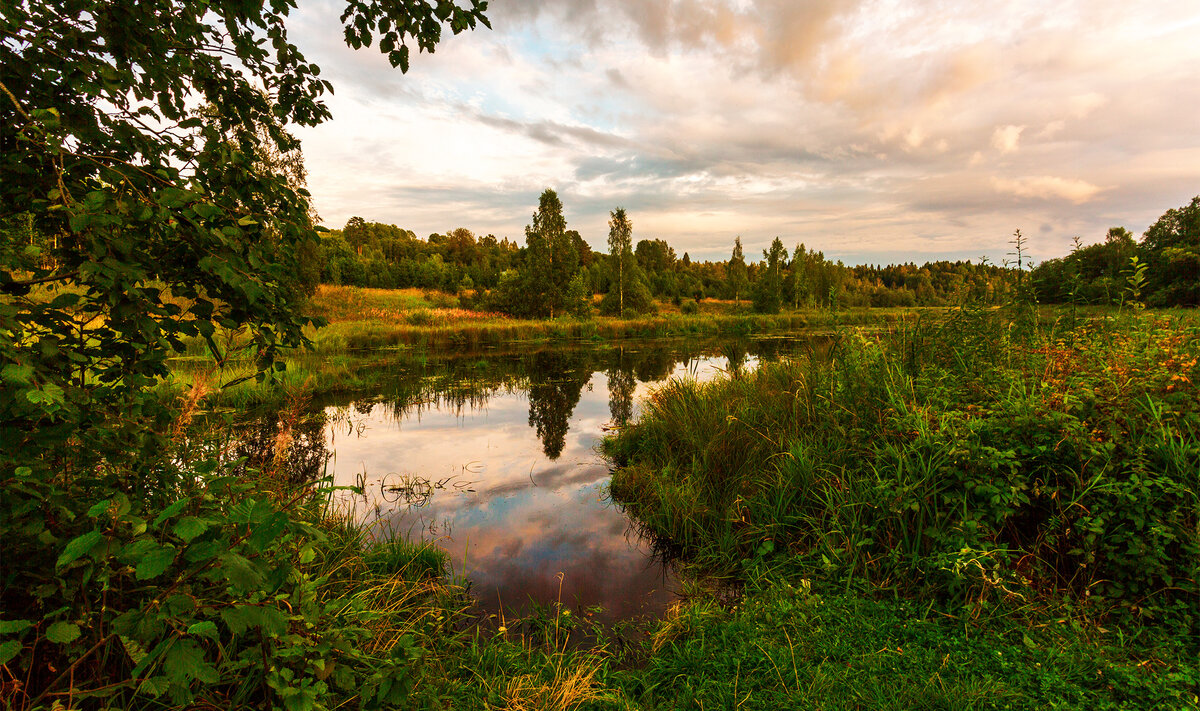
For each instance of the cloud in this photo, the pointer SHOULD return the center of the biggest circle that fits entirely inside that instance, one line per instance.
(1048, 187)
(859, 127)
(1006, 139)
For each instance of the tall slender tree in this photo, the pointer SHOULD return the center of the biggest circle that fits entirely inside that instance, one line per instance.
(799, 278)
(737, 271)
(620, 246)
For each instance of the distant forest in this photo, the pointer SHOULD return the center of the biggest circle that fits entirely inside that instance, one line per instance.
(557, 271)
(498, 273)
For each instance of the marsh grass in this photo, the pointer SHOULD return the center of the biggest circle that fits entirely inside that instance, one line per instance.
(1009, 473)
(978, 461)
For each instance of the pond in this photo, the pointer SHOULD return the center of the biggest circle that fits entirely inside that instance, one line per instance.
(494, 458)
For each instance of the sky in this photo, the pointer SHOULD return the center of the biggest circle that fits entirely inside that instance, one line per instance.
(876, 131)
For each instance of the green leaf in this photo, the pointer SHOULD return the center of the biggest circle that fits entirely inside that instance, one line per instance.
(133, 649)
(155, 686)
(98, 509)
(172, 510)
(240, 572)
(14, 626)
(78, 546)
(20, 374)
(63, 632)
(185, 661)
(9, 650)
(155, 562)
(207, 628)
(189, 527)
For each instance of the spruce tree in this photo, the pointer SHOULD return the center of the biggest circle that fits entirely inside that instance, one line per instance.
(551, 259)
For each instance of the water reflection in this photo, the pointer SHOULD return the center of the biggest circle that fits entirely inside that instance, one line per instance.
(493, 458)
(556, 382)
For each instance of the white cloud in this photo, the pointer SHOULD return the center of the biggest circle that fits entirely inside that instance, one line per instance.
(861, 127)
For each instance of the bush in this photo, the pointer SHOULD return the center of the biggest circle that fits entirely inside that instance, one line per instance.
(638, 301)
(214, 600)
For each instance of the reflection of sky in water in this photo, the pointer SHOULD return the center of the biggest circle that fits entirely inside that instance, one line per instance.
(511, 518)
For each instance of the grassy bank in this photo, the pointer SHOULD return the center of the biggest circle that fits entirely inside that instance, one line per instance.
(1025, 486)
(368, 331)
(380, 318)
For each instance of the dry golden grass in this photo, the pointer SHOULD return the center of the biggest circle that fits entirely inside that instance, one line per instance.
(568, 689)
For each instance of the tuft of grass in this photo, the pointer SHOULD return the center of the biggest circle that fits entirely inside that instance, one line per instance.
(406, 559)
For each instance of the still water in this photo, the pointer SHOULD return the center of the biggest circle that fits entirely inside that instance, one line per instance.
(494, 458)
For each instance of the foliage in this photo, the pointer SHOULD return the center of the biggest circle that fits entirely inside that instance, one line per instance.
(638, 300)
(147, 199)
(966, 460)
(169, 220)
(551, 259)
(768, 292)
(620, 248)
(1171, 249)
(737, 270)
(1169, 252)
(578, 299)
(215, 599)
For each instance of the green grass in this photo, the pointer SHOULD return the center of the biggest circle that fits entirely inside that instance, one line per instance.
(973, 511)
(986, 468)
(783, 646)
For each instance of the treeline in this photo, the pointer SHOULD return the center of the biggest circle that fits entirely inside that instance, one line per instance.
(557, 271)
(1163, 269)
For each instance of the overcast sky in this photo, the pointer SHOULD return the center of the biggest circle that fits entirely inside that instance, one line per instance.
(875, 130)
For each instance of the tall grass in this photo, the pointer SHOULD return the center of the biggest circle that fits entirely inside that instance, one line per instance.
(976, 459)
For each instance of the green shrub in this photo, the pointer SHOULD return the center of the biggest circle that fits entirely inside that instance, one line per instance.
(216, 599)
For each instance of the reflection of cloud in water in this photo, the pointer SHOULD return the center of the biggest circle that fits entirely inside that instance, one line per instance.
(516, 512)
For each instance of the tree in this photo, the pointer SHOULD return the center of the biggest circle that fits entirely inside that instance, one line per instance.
(551, 260)
(582, 249)
(621, 388)
(799, 278)
(737, 271)
(620, 248)
(1171, 251)
(556, 383)
(155, 203)
(768, 293)
(163, 222)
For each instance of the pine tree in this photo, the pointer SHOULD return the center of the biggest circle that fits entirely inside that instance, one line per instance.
(769, 291)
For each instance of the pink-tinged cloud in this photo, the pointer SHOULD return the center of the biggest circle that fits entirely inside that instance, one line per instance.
(873, 130)
(1047, 187)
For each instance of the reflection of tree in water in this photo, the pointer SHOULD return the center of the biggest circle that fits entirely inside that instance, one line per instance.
(556, 383)
(654, 364)
(621, 384)
(768, 350)
(735, 352)
(298, 449)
